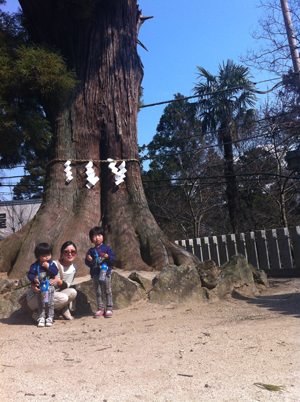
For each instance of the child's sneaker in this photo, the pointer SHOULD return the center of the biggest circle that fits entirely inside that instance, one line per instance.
(41, 322)
(49, 322)
(99, 313)
(109, 313)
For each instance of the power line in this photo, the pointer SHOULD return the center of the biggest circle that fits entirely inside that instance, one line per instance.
(224, 176)
(282, 82)
(20, 185)
(16, 177)
(238, 126)
(214, 146)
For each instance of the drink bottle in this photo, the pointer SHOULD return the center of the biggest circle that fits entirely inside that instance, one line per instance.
(103, 270)
(44, 285)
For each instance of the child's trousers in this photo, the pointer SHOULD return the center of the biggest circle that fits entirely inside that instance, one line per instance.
(50, 305)
(101, 288)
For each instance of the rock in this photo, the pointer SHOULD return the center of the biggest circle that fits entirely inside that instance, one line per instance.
(209, 274)
(236, 275)
(7, 285)
(259, 276)
(23, 282)
(177, 284)
(86, 299)
(172, 284)
(145, 283)
(124, 293)
(9, 303)
(13, 290)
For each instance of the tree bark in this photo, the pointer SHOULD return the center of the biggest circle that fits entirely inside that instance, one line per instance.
(291, 38)
(97, 121)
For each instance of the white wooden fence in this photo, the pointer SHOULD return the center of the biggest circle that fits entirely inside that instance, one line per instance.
(276, 251)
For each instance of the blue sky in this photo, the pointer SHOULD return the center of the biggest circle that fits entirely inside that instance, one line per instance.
(181, 36)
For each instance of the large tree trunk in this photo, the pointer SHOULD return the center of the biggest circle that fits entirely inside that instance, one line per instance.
(98, 121)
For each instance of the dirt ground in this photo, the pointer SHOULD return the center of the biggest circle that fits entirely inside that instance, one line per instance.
(219, 351)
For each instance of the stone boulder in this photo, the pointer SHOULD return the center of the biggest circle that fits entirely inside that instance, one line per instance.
(124, 293)
(236, 275)
(260, 277)
(209, 274)
(177, 284)
(7, 285)
(172, 284)
(145, 283)
(11, 290)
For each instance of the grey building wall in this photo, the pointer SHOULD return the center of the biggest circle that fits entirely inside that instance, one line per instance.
(15, 214)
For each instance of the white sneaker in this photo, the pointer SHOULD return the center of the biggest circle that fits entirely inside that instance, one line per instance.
(41, 322)
(49, 322)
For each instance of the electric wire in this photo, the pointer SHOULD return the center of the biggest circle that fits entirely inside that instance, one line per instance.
(237, 126)
(239, 87)
(177, 153)
(144, 158)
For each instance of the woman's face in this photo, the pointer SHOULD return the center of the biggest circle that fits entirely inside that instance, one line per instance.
(68, 255)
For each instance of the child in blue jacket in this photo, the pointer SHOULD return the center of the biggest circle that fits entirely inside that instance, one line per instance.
(39, 273)
(95, 257)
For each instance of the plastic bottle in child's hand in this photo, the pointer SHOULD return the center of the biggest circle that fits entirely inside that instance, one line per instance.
(103, 270)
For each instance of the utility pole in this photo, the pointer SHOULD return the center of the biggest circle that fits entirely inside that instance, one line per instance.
(291, 39)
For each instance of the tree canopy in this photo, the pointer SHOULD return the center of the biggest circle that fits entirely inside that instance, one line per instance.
(31, 75)
(224, 102)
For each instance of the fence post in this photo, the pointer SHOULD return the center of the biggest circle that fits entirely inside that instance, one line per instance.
(231, 245)
(295, 237)
(241, 244)
(190, 246)
(223, 253)
(262, 249)
(214, 250)
(205, 248)
(285, 248)
(182, 243)
(251, 249)
(274, 255)
(197, 249)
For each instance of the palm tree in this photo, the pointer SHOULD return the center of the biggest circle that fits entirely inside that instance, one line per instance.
(224, 102)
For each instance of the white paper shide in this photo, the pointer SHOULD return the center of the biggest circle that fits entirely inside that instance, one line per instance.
(68, 172)
(119, 172)
(91, 175)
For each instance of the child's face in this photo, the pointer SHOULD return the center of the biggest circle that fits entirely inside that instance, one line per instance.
(97, 239)
(44, 258)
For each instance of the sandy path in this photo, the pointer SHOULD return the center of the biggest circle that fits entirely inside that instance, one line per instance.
(180, 352)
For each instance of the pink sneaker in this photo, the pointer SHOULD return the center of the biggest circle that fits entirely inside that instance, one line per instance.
(99, 313)
(109, 313)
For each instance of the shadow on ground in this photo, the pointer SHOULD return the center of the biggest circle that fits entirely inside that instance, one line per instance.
(22, 317)
(18, 317)
(274, 298)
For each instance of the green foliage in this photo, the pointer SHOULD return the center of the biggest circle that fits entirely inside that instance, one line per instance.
(178, 136)
(224, 102)
(176, 193)
(226, 106)
(31, 186)
(29, 76)
(42, 72)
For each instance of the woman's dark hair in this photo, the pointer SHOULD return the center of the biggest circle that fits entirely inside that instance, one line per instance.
(42, 249)
(96, 230)
(67, 244)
